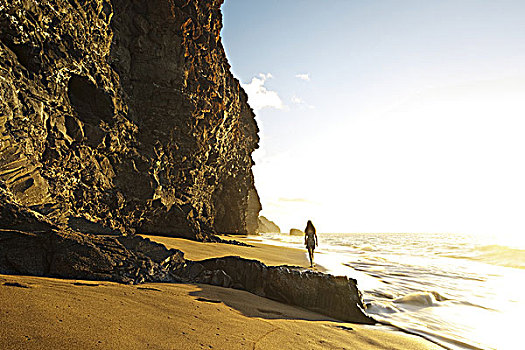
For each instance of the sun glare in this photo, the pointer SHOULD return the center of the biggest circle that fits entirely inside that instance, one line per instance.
(445, 160)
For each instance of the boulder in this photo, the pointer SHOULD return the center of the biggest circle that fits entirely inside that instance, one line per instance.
(31, 244)
(337, 297)
(296, 232)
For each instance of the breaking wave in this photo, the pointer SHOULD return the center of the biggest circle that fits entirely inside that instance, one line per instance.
(421, 298)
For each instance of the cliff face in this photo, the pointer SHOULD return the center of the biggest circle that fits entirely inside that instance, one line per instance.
(123, 116)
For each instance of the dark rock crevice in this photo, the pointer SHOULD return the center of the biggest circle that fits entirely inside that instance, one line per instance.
(90, 103)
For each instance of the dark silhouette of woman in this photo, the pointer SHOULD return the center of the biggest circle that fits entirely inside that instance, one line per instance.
(310, 240)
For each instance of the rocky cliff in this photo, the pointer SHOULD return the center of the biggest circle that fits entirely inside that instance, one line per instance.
(123, 116)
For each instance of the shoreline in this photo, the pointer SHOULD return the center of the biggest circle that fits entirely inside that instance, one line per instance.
(294, 256)
(42, 312)
(339, 268)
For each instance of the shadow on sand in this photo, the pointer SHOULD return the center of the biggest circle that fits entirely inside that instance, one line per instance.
(251, 305)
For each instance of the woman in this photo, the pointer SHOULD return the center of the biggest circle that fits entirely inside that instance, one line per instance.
(310, 240)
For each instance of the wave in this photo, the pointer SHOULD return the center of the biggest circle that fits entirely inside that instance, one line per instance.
(421, 299)
(377, 307)
(448, 342)
(495, 254)
(399, 277)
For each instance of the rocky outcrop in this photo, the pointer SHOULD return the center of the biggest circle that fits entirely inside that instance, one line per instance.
(31, 244)
(122, 116)
(337, 297)
(296, 232)
(267, 226)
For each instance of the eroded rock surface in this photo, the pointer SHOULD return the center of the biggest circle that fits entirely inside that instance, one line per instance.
(31, 244)
(337, 297)
(123, 116)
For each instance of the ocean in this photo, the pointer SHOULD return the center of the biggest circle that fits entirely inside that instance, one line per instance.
(459, 291)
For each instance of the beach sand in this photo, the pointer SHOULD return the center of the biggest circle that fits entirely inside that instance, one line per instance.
(268, 254)
(47, 313)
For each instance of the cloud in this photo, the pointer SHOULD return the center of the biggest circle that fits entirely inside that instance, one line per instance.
(299, 101)
(259, 96)
(305, 77)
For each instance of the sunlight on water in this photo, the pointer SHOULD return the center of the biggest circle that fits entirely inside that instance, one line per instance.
(514, 241)
(460, 291)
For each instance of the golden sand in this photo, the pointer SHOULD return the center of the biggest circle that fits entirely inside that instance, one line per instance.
(47, 313)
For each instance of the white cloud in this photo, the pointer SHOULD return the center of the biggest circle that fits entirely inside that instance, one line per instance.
(299, 101)
(266, 76)
(305, 77)
(259, 96)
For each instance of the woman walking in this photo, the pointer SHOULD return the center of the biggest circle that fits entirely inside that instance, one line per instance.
(310, 240)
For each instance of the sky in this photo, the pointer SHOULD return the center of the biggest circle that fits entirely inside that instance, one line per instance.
(385, 116)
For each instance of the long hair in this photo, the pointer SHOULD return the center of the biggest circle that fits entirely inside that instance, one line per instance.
(309, 227)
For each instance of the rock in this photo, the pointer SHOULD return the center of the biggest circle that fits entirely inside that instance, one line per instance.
(296, 232)
(120, 117)
(267, 226)
(337, 297)
(31, 244)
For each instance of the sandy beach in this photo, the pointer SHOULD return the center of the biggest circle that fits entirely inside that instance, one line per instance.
(268, 254)
(47, 313)
(384, 132)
